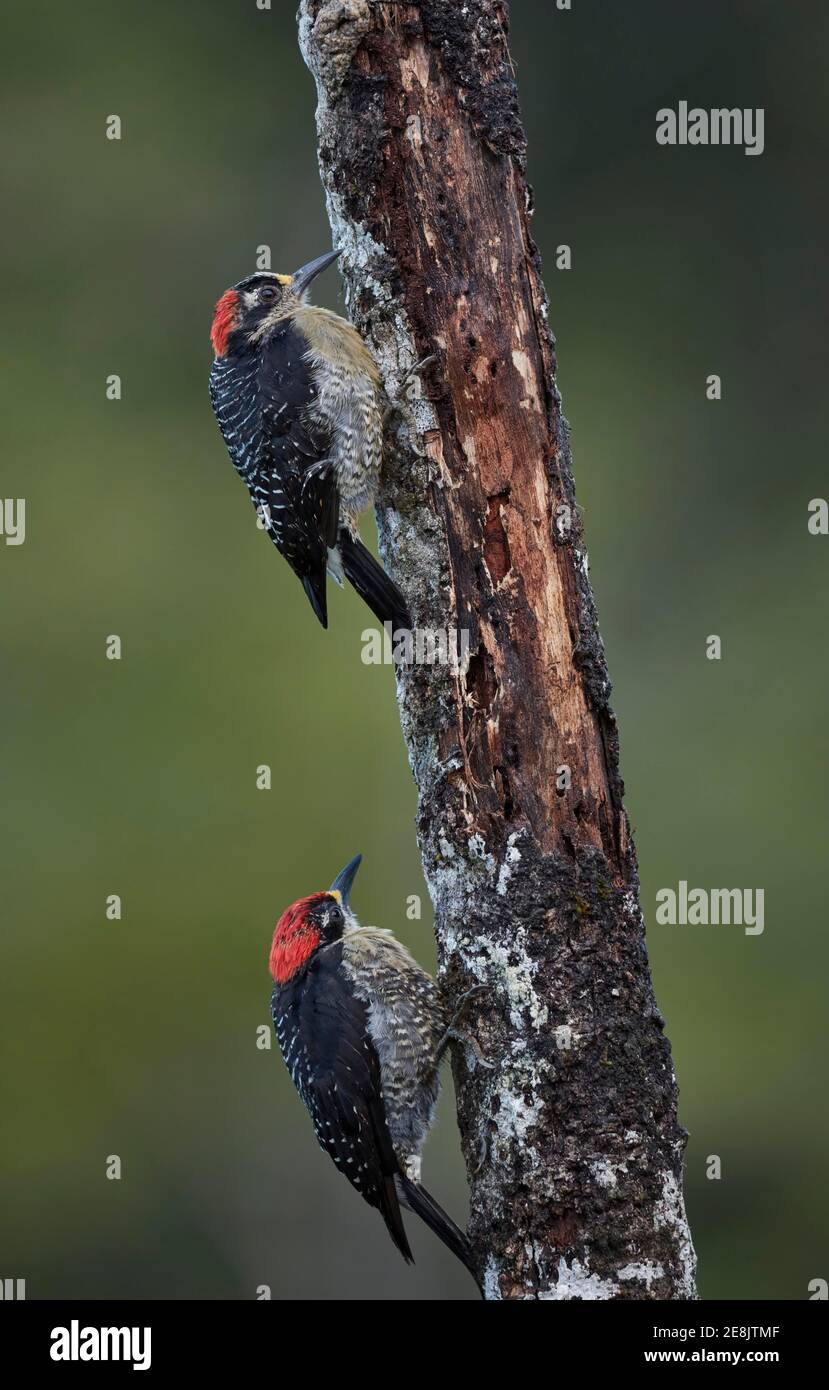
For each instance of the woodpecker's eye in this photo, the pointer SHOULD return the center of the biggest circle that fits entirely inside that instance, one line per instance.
(267, 293)
(335, 917)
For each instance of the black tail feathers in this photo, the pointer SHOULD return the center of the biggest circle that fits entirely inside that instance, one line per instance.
(372, 583)
(423, 1204)
(314, 587)
(390, 1208)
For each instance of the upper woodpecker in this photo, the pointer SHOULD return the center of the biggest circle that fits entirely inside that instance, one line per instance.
(362, 1030)
(298, 399)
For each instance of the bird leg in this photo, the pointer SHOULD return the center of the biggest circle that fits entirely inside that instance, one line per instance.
(395, 400)
(483, 1155)
(460, 1035)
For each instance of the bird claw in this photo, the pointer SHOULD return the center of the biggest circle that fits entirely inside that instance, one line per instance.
(469, 994)
(483, 1154)
(460, 1034)
(413, 371)
(470, 1041)
(396, 400)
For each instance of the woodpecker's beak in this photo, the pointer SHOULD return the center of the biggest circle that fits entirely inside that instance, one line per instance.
(301, 279)
(342, 883)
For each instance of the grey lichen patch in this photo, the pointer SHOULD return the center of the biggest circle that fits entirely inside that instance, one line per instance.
(489, 938)
(606, 1173)
(330, 40)
(519, 1113)
(516, 974)
(575, 1280)
(645, 1272)
(670, 1217)
(512, 857)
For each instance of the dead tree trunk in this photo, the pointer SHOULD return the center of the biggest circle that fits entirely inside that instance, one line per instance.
(572, 1145)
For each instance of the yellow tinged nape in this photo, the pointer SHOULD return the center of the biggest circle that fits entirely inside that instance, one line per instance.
(335, 344)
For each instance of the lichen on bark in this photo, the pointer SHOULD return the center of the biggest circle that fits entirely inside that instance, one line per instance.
(572, 1145)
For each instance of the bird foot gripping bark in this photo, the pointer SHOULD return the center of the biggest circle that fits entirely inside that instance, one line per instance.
(454, 1032)
(395, 402)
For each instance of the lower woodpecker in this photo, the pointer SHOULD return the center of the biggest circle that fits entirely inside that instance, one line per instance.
(362, 1029)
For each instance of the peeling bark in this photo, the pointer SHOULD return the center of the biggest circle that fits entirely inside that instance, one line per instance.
(572, 1145)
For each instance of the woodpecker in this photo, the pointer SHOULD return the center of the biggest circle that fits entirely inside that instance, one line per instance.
(362, 1029)
(299, 401)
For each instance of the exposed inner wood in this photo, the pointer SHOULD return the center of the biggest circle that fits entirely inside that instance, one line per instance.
(475, 299)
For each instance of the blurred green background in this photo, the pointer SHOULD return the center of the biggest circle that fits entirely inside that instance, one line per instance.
(137, 777)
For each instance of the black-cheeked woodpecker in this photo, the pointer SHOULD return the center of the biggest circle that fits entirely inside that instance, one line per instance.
(362, 1029)
(299, 401)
